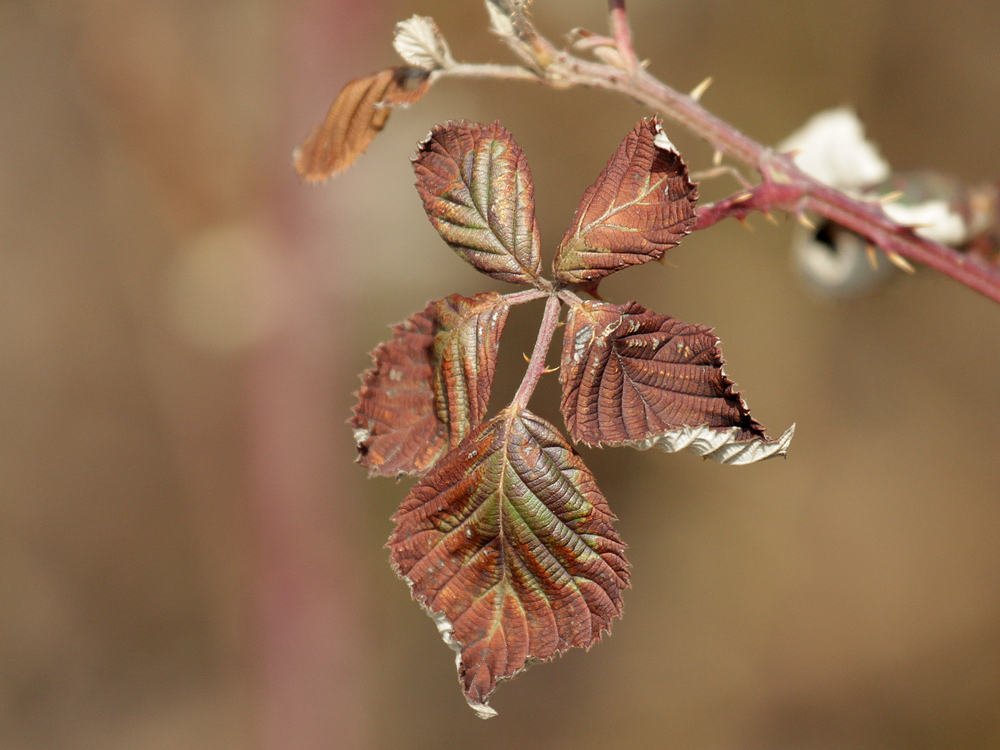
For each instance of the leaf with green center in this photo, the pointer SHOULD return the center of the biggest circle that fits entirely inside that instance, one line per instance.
(477, 192)
(633, 377)
(430, 385)
(641, 205)
(510, 547)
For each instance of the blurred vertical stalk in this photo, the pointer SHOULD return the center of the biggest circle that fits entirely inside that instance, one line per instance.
(307, 604)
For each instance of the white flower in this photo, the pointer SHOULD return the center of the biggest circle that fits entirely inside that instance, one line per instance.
(933, 220)
(832, 148)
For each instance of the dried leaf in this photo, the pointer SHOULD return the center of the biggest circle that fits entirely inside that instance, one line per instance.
(356, 116)
(478, 194)
(419, 42)
(510, 546)
(430, 385)
(641, 205)
(633, 377)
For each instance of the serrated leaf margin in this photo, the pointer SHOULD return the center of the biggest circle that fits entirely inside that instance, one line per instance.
(727, 445)
(406, 543)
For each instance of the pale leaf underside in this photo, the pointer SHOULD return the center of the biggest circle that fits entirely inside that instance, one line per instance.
(419, 42)
(633, 377)
(510, 546)
(430, 385)
(641, 205)
(356, 116)
(477, 191)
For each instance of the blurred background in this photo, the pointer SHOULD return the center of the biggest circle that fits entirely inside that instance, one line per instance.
(189, 557)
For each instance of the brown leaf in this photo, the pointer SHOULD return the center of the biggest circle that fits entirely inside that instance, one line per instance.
(641, 205)
(510, 547)
(356, 116)
(633, 377)
(430, 385)
(478, 194)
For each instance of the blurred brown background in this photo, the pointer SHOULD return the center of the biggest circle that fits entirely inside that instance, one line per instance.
(188, 556)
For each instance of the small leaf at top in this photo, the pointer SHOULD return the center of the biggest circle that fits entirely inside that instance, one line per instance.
(510, 547)
(641, 205)
(419, 42)
(430, 385)
(633, 377)
(356, 116)
(477, 192)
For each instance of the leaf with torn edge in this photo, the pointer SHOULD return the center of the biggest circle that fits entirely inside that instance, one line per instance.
(642, 204)
(633, 377)
(477, 191)
(510, 547)
(419, 42)
(430, 385)
(356, 116)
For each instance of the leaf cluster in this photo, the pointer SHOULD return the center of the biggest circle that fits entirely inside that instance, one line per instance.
(506, 540)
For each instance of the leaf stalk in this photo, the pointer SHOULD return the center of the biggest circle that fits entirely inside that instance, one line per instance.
(536, 365)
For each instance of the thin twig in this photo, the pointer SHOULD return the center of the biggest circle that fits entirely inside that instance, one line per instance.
(622, 31)
(486, 70)
(763, 198)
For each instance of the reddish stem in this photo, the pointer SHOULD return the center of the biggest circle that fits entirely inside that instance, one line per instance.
(536, 365)
(763, 198)
(869, 220)
(622, 32)
(780, 171)
(519, 298)
(802, 193)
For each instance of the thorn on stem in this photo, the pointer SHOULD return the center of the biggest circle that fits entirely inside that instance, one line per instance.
(872, 256)
(770, 217)
(804, 221)
(717, 158)
(900, 262)
(890, 197)
(700, 89)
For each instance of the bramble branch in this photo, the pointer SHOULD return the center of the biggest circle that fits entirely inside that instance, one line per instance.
(783, 185)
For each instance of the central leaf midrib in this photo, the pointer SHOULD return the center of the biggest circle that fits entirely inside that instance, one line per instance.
(552, 465)
(615, 209)
(484, 194)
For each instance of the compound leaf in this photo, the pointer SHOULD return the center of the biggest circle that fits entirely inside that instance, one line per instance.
(510, 547)
(477, 191)
(430, 385)
(633, 377)
(641, 205)
(356, 116)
